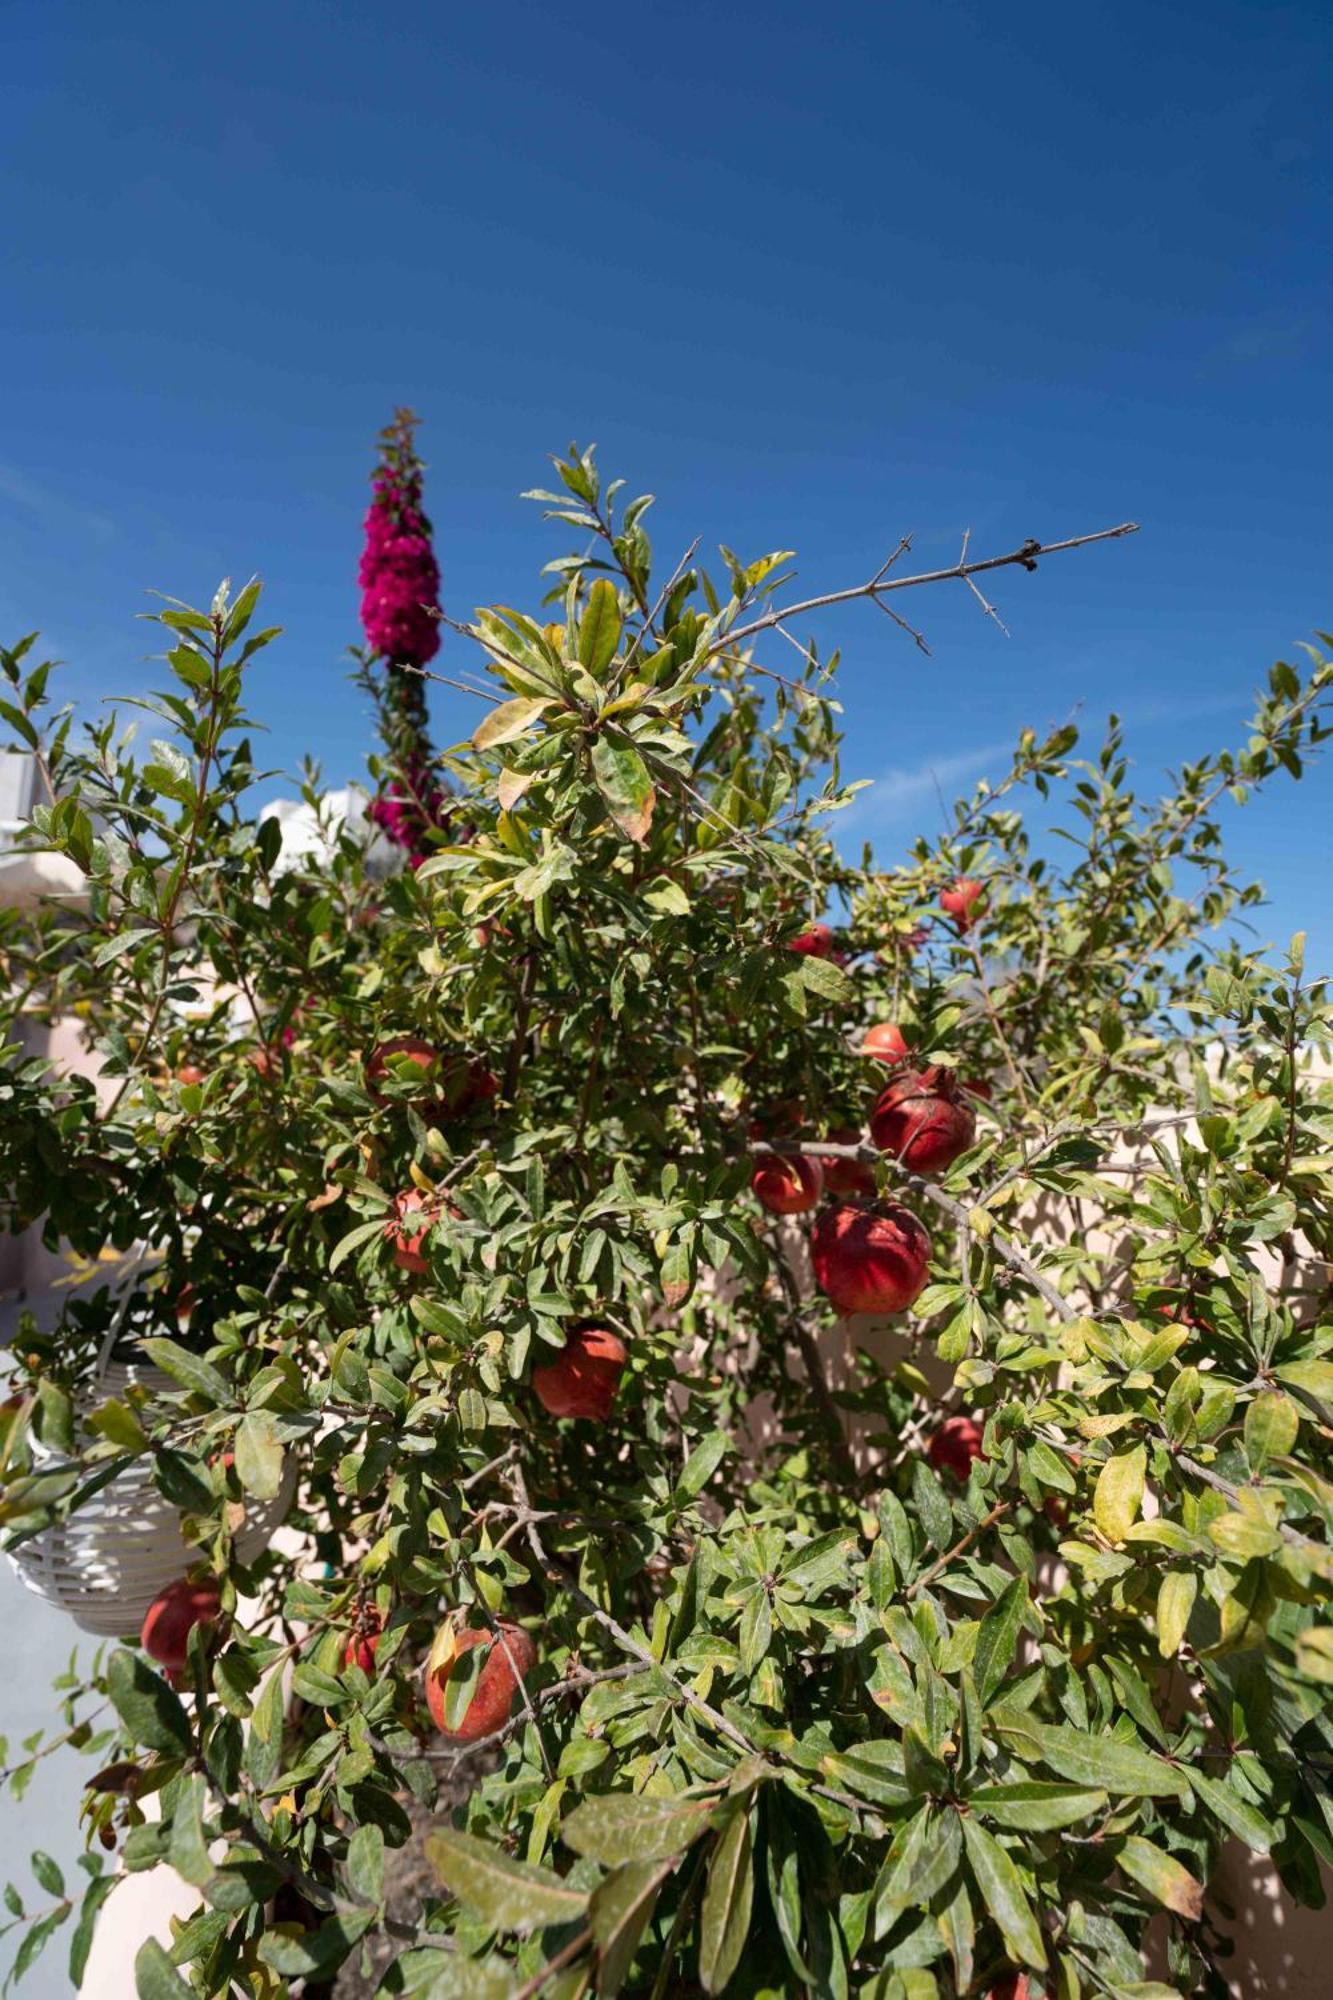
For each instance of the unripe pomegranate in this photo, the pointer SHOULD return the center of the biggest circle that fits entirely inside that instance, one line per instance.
(954, 1446)
(847, 1176)
(583, 1379)
(364, 1642)
(410, 1048)
(817, 942)
(787, 1183)
(493, 1694)
(958, 902)
(921, 1120)
(886, 1043)
(407, 1242)
(173, 1615)
(869, 1259)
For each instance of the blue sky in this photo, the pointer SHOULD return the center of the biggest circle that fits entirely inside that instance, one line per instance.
(816, 276)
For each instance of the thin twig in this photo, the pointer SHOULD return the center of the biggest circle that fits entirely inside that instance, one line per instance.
(959, 1547)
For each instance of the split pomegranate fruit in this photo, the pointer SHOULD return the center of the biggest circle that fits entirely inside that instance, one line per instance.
(921, 1120)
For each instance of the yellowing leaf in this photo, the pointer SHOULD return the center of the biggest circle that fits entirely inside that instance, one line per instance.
(443, 1651)
(509, 720)
(1175, 1601)
(1162, 1876)
(623, 781)
(1314, 1652)
(1119, 1493)
(512, 786)
(1271, 1424)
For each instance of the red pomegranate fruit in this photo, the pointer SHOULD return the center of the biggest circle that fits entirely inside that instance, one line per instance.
(847, 1176)
(960, 901)
(364, 1643)
(787, 1183)
(583, 1378)
(406, 1048)
(954, 1446)
(495, 1687)
(817, 942)
(190, 1073)
(407, 1241)
(921, 1120)
(870, 1259)
(1012, 1985)
(173, 1615)
(886, 1043)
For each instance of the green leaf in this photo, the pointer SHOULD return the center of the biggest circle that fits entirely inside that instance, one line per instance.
(932, 1506)
(1165, 1878)
(701, 1464)
(317, 1951)
(1002, 1893)
(1119, 1493)
(997, 1638)
(155, 1977)
(188, 1850)
(724, 1919)
(263, 1747)
(47, 1873)
(190, 1370)
(507, 721)
(756, 1629)
(1037, 1807)
(1047, 1466)
(507, 1895)
(1234, 1813)
(259, 1455)
(116, 1420)
(620, 1908)
(623, 781)
(365, 1863)
(81, 1942)
(616, 1827)
(1272, 1424)
(1103, 1761)
(151, 1711)
(121, 945)
(599, 629)
(822, 977)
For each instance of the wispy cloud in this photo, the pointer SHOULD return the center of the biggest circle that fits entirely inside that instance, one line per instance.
(903, 790)
(52, 508)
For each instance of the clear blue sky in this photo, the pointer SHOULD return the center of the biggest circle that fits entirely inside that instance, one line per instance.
(816, 275)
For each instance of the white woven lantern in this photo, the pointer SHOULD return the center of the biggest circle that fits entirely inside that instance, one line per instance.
(106, 1563)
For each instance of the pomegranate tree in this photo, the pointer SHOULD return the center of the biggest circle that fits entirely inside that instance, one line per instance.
(487, 1288)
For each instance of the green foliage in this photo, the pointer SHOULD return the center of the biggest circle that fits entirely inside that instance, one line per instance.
(807, 1716)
